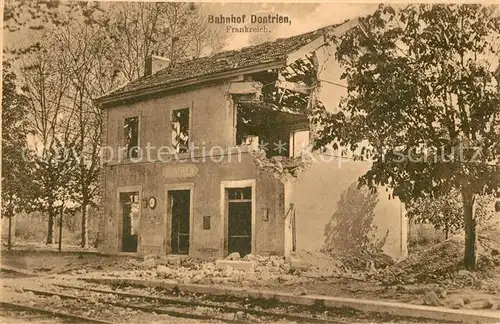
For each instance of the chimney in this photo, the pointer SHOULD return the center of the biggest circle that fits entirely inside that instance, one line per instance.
(155, 63)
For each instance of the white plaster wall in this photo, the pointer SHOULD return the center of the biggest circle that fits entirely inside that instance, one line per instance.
(316, 195)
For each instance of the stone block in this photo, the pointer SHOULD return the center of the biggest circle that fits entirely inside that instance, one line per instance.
(237, 265)
(233, 256)
(149, 263)
(298, 264)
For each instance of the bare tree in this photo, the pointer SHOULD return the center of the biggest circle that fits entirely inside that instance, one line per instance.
(87, 50)
(45, 89)
(172, 30)
(83, 49)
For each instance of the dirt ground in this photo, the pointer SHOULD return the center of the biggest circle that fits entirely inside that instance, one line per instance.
(477, 290)
(52, 262)
(433, 276)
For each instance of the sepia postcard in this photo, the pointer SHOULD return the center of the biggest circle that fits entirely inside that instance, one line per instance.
(250, 162)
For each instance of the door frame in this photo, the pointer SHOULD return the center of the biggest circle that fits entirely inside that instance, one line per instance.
(224, 208)
(119, 213)
(168, 218)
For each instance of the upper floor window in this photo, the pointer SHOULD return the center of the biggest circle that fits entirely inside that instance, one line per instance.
(131, 130)
(180, 130)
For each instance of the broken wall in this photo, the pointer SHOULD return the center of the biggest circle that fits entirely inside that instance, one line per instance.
(332, 214)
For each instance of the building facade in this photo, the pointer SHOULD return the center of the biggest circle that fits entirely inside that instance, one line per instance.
(181, 147)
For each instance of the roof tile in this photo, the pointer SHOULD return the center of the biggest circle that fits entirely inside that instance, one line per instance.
(222, 62)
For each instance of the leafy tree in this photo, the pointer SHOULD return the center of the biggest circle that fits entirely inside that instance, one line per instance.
(446, 212)
(53, 188)
(84, 52)
(16, 166)
(422, 92)
(34, 15)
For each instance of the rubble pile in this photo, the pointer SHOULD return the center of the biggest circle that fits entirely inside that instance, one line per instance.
(431, 265)
(489, 240)
(439, 265)
(442, 263)
(265, 270)
(362, 260)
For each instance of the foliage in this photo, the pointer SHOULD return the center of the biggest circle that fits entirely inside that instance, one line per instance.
(84, 54)
(423, 91)
(16, 167)
(31, 228)
(421, 81)
(52, 178)
(446, 212)
(422, 236)
(31, 14)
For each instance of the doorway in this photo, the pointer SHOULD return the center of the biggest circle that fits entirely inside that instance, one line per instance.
(179, 209)
(130, 208)
(239, 211)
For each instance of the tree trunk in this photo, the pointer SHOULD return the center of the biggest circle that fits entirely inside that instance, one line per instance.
(50, 229)
(446, 231)
(60, 229)
(85, 232)
(9, 239)
(470, 230)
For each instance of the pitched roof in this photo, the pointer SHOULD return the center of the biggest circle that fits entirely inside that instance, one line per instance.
(273, 51)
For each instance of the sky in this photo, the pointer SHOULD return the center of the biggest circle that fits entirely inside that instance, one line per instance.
(304, 16)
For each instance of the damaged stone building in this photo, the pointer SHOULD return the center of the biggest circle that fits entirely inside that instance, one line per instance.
(192, 151)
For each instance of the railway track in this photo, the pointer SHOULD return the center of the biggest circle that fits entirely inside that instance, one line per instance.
(177, 307)
(103, 303)
(44, 315)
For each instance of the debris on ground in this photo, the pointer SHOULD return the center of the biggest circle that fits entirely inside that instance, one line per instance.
(433, 276)
(300, 291)
(239, 316)
(148, 263)
(442, 262)
(488, 304)
(457, 303)
(431, 265)
(431, 298)
(443, 293)
(233, 256)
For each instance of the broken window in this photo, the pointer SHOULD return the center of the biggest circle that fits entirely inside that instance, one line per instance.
(275, 132)
(131, 130)
(269, 122)
(180, 130)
